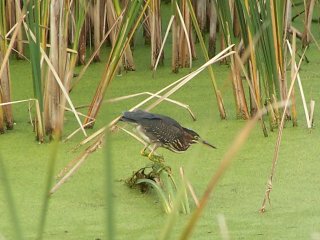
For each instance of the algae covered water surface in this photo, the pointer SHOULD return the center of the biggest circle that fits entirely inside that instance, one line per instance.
(78, 209)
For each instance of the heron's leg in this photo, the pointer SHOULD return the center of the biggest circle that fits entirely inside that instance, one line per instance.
(143, 151)
(152, 156)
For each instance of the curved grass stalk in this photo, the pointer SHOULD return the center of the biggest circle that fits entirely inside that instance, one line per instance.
(223, 227)
(161, 194)
(314, 39)
(180, 200)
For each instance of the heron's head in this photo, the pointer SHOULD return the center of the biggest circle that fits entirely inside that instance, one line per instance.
(194, 137)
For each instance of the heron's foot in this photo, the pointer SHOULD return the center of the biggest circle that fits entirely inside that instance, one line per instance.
(156, 158)
(144, 153)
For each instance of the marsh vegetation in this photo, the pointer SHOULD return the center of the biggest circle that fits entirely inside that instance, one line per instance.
(243, 74)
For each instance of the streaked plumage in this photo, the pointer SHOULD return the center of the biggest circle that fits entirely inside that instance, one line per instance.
(162, 131)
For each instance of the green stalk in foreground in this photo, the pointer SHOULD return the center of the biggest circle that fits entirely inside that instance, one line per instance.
(225, 163)
(50, 177)
(110, 219)
(10, 201)
(222, 111)
(32, 20)
(129, 24)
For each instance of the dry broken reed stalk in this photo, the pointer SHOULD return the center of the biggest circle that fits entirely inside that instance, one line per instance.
(309, 8)
(226, 52)
(279, 138)
(154, 17)
(226, 161)
(171, 88)
(242, 15)
(60, 84)
(6, 115)
(75, 164)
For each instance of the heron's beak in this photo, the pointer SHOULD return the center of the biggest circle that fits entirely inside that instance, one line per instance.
(206, 143)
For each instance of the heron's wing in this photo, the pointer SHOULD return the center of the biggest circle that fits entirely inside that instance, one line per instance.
(138, 116)
(161, 130)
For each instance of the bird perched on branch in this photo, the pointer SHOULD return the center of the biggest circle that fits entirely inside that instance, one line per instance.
(161, 131)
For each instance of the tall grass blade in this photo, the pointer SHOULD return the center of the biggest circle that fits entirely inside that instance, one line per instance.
(238, 142)
(110, 209)
(226, 22)
(10, 201)
(76, 81)
(57, 78)
(128, 26)
(32, 20)
(48, 184)
(206, 56)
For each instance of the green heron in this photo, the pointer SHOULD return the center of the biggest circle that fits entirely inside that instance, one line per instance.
(162, 131)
